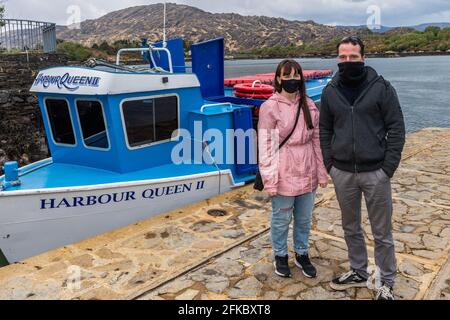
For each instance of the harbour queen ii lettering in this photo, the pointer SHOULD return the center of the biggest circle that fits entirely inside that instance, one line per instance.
(71, 83)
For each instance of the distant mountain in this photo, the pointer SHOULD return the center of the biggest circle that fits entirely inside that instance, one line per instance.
(240, 32)
(383, 29)
(422, 27)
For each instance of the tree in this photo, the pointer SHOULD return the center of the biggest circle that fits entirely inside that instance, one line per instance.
(2, 12)
(433, 30)
(74, 51)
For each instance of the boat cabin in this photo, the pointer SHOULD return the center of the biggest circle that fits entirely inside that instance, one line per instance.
(124, 120)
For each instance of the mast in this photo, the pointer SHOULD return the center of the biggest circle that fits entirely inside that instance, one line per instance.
(164, 27)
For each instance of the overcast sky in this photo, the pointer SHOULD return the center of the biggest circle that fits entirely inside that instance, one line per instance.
(342, 12)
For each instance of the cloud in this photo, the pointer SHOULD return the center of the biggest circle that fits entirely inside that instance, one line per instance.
(347, 12)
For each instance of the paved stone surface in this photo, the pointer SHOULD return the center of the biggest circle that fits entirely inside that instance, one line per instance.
(187, 254)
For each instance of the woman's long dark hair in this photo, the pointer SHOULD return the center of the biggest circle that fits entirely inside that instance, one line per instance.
(286, 67)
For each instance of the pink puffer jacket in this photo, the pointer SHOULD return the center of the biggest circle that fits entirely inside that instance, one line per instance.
(298, 167)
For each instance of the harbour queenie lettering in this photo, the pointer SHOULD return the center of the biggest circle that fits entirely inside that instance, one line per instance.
(67, 81)
(116, 197)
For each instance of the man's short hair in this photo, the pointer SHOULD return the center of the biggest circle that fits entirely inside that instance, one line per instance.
(355, 40)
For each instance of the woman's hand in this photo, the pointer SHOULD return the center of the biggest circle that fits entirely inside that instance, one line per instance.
(272, 193)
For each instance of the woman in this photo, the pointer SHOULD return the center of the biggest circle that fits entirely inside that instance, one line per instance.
(292, 173)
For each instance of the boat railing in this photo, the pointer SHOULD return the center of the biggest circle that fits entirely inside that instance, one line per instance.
(205, 106)
(150, 49)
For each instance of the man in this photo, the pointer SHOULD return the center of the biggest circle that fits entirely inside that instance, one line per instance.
(362, 134)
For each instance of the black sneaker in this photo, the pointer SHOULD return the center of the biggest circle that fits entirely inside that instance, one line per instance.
(351, 279)
(385, 293)
(282, 267)
(303, 262)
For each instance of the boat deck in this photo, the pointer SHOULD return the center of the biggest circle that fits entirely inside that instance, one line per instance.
(189, 254)
(59, 175)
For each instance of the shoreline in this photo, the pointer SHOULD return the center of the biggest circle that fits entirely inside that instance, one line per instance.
(323, 56)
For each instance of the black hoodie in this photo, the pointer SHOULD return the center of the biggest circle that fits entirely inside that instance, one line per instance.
(365, 136)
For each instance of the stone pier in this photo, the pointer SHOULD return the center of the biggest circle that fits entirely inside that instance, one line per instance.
(190, 254)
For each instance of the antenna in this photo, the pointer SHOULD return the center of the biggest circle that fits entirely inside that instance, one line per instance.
(164, 28)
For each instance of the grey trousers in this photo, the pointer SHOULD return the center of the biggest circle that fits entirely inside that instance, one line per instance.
(376, 187)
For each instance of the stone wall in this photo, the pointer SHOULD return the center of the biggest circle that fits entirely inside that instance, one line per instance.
(22, 135)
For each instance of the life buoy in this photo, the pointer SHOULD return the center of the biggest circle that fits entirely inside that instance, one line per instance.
(255, 90)
(262, 96)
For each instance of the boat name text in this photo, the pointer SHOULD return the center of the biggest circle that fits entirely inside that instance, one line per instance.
(116, 197)
(67, 81)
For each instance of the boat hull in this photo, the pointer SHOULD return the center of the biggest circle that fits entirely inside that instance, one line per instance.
(41, 220)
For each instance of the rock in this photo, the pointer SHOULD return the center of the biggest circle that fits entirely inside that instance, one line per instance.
(142, 277)
(428, 254)
(4, 96)
(324, 226)
(408, 228)
(321, 246)
(277, 283)
(313, 253)
(207, 244)
(324, 275)
(338, 231)
(217, 284)
(101, 293)
(445, 233)
(436, 230)
(319, 293)
(425, 179)
(105, 253)
(17, 288)
(399, 246)
(293, 289)
(364, 294)
(405, 288)
(261, 242)
(247, 288)
(32, 99)
(418, 196)
(187, 295)
(84, 261)
(434, 243)
(252, 256)
(203, 275)
(17, 99)
(411, 240)
(233, 234)
(205, 226)
(262, 271)
(271, 295)
(176, 286)
(411, 268)
(230, 268)
(334, 253)
(338, 244)
(50, 289)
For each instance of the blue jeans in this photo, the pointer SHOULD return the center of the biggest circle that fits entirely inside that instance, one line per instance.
(283, 210)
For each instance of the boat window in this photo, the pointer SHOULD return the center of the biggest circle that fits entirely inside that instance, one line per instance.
(60, 121)
(150, 120)
(92, 123)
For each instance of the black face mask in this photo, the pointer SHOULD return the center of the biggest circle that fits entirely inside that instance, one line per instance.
(291, 86)
(352, 73)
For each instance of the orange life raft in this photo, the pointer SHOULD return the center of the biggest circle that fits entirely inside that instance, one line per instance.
(267, 78)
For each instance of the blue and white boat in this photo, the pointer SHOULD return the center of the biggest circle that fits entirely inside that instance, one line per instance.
(113, 131)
